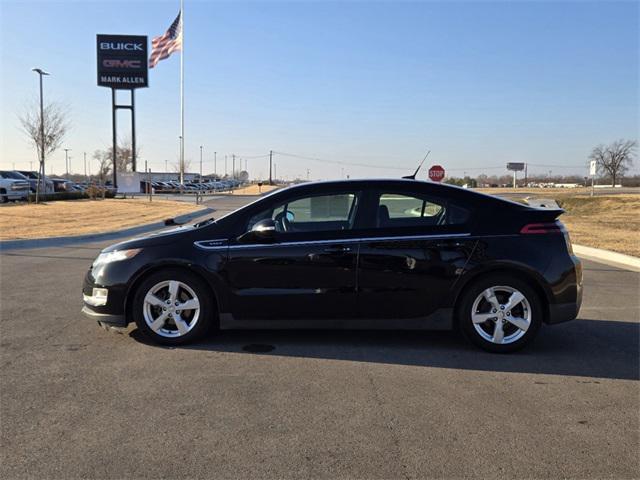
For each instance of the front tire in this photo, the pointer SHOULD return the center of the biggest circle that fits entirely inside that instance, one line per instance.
(172, 307)
(500, 313)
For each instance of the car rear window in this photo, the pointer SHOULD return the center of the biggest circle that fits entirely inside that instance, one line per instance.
(409, 210)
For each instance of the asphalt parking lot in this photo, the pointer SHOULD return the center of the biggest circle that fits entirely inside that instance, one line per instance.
(77, 401)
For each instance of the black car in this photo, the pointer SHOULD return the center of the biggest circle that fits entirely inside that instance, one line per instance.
(374, 254)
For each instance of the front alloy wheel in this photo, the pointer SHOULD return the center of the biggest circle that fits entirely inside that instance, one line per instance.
(500, 313)
(172, 307)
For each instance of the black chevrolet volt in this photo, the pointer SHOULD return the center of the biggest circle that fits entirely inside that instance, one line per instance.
(355, 254)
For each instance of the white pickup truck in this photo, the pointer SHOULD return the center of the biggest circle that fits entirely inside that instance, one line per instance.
(13, 186)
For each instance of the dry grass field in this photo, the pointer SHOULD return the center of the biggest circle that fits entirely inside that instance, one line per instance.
(79, 217)
(254, 189)
(611, 222)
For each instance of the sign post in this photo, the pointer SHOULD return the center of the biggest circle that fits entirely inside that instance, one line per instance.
(436, 173)
(593, 166)
(515, 167)
(122, 65)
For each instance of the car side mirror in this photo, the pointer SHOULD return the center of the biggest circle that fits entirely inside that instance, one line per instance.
(263, 230)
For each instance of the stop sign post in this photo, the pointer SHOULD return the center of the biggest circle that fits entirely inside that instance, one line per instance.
(436, 173)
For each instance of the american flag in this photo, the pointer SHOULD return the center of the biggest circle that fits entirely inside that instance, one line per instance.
(168, 43)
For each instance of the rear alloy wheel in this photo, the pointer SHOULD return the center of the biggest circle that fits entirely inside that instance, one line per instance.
(500, 313)
(171, 308)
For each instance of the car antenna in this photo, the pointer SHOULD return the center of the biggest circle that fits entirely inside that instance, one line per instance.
(413, 177)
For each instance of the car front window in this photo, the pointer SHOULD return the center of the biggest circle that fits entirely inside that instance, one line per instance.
(313, 213)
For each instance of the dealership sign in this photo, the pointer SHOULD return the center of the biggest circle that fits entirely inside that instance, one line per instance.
(515, 166)
(122, 61)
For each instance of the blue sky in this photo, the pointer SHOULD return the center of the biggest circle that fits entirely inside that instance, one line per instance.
(477, 83)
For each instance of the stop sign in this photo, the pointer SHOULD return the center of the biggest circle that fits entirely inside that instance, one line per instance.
(436, 173)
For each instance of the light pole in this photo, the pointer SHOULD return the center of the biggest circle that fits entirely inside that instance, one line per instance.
(200, 163)
(40, 73)
(66, 160)
(215, 158)
(85, 166)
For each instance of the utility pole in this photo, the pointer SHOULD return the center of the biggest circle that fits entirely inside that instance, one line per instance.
(200, 163)
(85, 166)
(270, 167)
(233, 166)
(66, 160)
(275, 175)
(525, 175)
(41, 173)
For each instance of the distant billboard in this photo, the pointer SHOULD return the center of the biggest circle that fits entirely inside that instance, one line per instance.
(515, 167)
(122, 61)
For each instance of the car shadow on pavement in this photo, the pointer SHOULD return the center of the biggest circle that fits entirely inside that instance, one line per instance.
(585, 348)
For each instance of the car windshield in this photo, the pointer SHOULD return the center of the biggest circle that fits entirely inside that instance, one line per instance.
(14, 175)
(29, 174)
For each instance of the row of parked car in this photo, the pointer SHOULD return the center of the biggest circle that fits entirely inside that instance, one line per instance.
(17, 184)
(205, 186)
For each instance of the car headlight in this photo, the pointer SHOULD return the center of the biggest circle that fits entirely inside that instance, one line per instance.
(115, 256)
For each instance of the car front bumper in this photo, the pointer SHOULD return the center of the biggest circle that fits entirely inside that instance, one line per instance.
(16, 195)
(104, 304)
(107, 318)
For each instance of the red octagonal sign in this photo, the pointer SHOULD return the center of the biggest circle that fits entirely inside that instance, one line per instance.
(436, 173)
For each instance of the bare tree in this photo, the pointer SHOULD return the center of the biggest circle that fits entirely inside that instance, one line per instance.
(187, 165)
(124, 152)
(103, 157)
(123, 155)
(56, 126)
(614, 159)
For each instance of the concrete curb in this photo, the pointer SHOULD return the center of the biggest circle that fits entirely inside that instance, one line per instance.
(608, 257)
(96, 237)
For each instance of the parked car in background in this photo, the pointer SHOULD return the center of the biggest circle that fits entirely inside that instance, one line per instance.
(381, 254)
(33, 178)
(13, 186)
(62, 185)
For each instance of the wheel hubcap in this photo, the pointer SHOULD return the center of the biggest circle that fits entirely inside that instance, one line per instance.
(501, 315)
(171, 308)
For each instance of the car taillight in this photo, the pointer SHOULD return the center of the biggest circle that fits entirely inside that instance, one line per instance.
(541, 228)
(548, 228)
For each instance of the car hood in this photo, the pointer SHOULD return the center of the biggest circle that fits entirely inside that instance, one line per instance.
(167, 236)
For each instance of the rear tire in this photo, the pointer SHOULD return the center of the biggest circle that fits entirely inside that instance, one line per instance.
(172, 307)
(3, 196)
(499, 313)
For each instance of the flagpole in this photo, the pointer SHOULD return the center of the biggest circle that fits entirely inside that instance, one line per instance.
(182, 96)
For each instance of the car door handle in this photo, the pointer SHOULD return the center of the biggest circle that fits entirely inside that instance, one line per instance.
(340, 249)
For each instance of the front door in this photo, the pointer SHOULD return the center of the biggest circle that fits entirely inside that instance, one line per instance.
(308, 272)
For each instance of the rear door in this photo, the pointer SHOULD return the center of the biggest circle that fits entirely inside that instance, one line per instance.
(309, 271)
(415, 248)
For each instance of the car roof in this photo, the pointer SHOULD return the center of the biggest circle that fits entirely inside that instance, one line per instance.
(435, 188)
